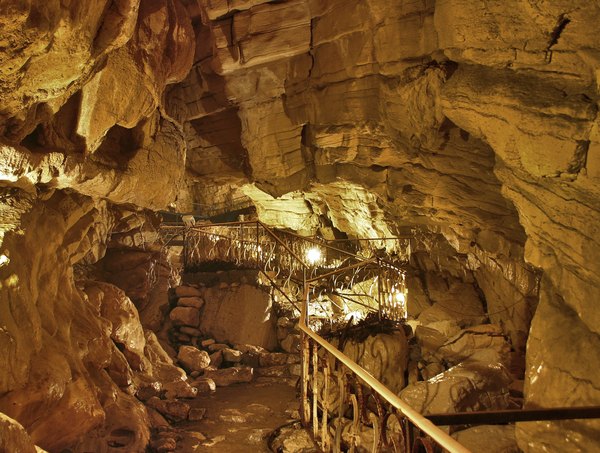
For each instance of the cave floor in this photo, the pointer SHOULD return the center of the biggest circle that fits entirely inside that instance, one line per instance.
(239, 417)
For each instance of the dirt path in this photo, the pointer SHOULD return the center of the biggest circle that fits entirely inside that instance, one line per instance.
(239, 417)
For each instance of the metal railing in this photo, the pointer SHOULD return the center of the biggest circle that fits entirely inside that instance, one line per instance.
(380, 421)
(342, 405)
(344, 278)
(342, 267)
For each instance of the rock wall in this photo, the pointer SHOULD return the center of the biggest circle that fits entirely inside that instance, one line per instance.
(475, 119)
(473, 122)
(75, 348)
(85, 145)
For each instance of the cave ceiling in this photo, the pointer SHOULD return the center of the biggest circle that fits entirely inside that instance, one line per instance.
(475, 121)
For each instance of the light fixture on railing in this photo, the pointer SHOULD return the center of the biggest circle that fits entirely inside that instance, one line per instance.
(400, 301)
(400, 297)
(313, 255)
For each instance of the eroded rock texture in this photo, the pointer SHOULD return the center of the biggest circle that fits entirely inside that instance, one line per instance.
(473, 123)
(83, 135)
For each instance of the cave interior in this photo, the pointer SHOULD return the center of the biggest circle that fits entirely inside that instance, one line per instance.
(187, 186)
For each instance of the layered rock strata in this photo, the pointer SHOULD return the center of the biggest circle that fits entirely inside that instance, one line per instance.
(476, 122)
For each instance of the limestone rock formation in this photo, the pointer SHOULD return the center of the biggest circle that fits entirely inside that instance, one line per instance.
(385, 356)
(490, 438)
(472, 125)
(239, 314)
(13, 437)
(479, 383)
(193, 359)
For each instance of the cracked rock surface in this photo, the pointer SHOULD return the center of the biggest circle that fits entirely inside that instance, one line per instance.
(472, 125)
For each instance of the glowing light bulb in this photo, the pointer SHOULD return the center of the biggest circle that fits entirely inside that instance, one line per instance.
(400, 297)
(4, 260)
(313, 255)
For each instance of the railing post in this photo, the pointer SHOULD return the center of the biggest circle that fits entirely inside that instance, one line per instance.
(242, 247)
(409, 437)
(305, 355)
(315, 390)
(304, 409)
(379, 292)
(325, 419)
(185, 251)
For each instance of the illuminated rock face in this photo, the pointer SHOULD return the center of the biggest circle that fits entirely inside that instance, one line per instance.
(476, 121)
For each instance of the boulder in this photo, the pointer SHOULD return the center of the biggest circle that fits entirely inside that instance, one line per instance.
(183, 338)
(274, 358)
(272, 371)
(489, 438)
(458, 302)
(164, 444)
(291, 344)
(249, 348)
(190, 331)
(468, 341)
(207, 343)
(216, 358)
(432, 369)
(172, 409)
(179, 389)
(240, 314)
(157, 421)
(295, 369)
(217, 347)
(385, 356)
(196, 302)
(292, 439)
(476, 384)
(187, 291)
(147, 391)
(205, 385)
(193, 358)
(284, 327)
(229, 376)
(429, 339)
(231, 355)
(185, 316)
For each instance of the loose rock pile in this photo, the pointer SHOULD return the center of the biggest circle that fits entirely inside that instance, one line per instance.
(439, 354)
(211, 364)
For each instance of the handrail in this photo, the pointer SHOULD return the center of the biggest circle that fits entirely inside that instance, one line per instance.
(325, 245)
(283, 244)
(224, 224)
(340, 270)
(393, 404)
(401, 236)
(515, 415)
(198, 228)
(418, 420)
(287, 249)
(443, 439)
